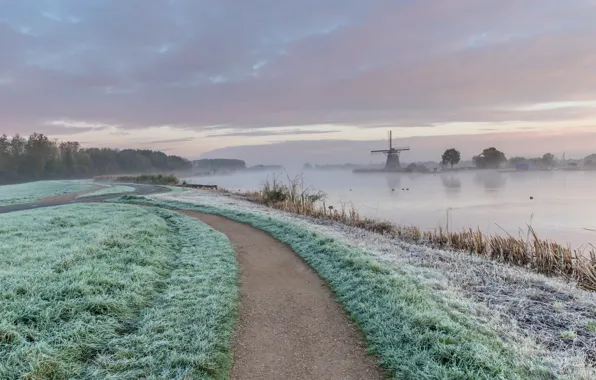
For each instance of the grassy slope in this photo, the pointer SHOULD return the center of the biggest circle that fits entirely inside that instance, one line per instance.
(117, 292)
(415, 334)
(176, 189)
(108, 191)
(34, 191)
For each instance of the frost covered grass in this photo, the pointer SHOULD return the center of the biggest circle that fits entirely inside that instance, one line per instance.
(34, 191)
(533, 314)
(176, 189)
(114, 291)
(108, 191)
(415, 333)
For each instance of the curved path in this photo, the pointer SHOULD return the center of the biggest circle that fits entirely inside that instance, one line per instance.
(71, 198)
(290, 326)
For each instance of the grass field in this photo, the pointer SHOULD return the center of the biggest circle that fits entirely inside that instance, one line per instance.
(176, 189)
(114, 291)
(108, 191)
(416, 333)
(34, 191)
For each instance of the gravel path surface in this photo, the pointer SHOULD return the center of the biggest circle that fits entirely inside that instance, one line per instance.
(290, 326)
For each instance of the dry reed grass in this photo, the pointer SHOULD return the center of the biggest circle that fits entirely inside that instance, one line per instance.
(529, 251)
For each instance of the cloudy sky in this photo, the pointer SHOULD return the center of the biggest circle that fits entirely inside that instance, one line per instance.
(259, 78)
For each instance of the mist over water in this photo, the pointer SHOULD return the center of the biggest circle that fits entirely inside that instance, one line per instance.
(563, 208)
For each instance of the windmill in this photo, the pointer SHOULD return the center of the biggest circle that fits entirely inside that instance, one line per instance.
(392, 155)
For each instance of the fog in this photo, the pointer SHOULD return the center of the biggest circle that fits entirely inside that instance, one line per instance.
(576, 143)
(562, 207)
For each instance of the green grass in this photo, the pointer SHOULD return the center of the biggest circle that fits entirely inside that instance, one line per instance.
(414, 333)
(108, 191)
(176, 189)
(34, 191)
(114, 291)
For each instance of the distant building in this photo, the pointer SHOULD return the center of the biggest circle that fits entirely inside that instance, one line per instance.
(590, 160)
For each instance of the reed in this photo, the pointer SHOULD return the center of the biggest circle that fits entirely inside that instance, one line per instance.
(526, 250)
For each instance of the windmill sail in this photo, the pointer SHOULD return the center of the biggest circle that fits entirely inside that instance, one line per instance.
(392, 154)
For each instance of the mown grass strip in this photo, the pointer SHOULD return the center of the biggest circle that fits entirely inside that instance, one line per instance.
(114, 291)
(187, 332)
(34, 191)
(108, 191)
(414, 334)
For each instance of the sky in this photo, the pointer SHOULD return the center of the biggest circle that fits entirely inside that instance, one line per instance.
(288, 80)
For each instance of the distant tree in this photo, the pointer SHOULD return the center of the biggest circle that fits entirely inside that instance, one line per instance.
(307, 166)
(38, 158)
(513, 161)
(416, 168)
(451, 157)
(489, 158)
(548, 159)
(39, 150)
(220, 163)
(479, 161)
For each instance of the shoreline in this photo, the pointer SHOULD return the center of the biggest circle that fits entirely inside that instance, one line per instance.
(543, 256)
(497, 203)
(548, 315)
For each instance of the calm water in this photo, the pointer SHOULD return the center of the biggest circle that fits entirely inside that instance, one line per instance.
(563, 208)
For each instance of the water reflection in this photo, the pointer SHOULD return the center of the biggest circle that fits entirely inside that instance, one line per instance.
(482, 198)
(531, 176)
(490, 180)
(546, 174)
(451, 183)
(393, 181)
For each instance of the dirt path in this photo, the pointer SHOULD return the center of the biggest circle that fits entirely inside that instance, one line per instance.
(70, 196)
(64, 199)
(290, 326)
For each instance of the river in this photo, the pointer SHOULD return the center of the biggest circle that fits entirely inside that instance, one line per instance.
(563, 207)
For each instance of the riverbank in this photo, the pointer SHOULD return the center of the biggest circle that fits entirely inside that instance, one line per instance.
(528, 313)
(554, 203)
(526, 250)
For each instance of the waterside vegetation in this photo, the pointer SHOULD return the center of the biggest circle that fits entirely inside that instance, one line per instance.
(526, 250)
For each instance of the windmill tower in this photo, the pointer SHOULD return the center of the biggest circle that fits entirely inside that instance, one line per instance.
(392, 154)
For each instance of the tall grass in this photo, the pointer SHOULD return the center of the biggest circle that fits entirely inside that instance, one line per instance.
(526, 250)
(114, 291)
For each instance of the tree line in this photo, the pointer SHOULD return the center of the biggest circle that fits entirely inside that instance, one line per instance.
(492, 158)
(39, 158)
(219, 163)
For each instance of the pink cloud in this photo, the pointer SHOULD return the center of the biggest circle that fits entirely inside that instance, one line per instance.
(343, 62)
